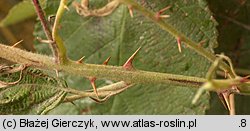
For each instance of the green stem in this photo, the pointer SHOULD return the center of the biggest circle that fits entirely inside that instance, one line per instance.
(56, 38)
(167, 27)
(99, 71)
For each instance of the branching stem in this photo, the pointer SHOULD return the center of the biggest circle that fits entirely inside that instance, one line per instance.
(170, 29)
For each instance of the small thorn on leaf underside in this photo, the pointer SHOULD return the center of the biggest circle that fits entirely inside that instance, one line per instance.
(130, 8)
(80, 60)
(159, 13)
(128, 64)
(179, 43)
(17, 43)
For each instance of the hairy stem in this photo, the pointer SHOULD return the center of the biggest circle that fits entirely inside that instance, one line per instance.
(99, 71)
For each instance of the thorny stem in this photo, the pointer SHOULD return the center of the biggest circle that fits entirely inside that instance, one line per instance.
(56, 38)
(108, 72)
(165, 26)
(116, 73)
(46, 28)
(99, 71)
(178, 35)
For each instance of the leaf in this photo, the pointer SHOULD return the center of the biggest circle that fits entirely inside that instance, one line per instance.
(234, 40)
(18, 13)
(35, 93)
(118, 35)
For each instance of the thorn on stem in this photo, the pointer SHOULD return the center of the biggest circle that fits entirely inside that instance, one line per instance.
(128, 64)
(80, 60)
(17, 43)
(106, 61)
(224, 96)
(92, 82)
(179, 43)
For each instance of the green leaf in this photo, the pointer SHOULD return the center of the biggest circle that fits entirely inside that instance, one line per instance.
(118, 35)
(234, 40)
(35, 93)
(20, 12)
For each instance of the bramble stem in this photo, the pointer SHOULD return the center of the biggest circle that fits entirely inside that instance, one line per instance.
(100, 71)
(170, 29)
